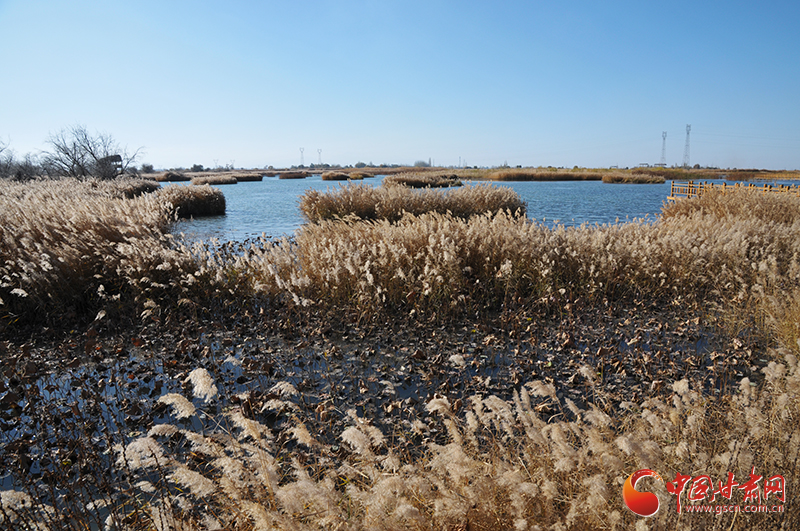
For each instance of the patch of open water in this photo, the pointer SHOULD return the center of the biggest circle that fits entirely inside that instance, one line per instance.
(270, 207)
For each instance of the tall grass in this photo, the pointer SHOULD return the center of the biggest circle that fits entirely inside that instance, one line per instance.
(171, 176)
(543, 174)
(335, 176)
(392, 202)
(192, 201)
(632, 178)
(497, 464)
(439, 179)
(71, 247)
(293, 175)
(214, 179)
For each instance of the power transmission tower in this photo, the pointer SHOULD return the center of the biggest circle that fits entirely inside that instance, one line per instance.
(302, 163)
(319, 151)
(686, 149)
(664, 148)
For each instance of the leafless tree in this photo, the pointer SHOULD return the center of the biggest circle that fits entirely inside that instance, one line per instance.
(76, 153)
(23, 169)
(6, 160)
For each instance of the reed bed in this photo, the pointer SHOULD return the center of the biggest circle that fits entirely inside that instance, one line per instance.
(172, 176)
(632, 178)
(248, 177)
(293, 174)
(335, 176)
(392, 202)
(543, 174)
(445, 265)
(436, 179)
(194, 201)
(537, 460)
(71, 247)
(681, 174)
(214, 179)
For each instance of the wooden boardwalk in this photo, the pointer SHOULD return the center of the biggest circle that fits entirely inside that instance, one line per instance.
(683, 190)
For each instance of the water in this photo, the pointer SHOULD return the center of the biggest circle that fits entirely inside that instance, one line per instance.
(271, 206)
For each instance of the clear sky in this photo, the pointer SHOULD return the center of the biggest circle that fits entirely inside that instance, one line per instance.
(559, 83)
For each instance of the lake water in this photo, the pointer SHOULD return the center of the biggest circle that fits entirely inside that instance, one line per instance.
(271, 206)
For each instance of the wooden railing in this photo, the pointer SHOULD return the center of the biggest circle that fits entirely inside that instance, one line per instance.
(681, 190)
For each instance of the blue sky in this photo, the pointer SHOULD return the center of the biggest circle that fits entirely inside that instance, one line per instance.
(533, 83)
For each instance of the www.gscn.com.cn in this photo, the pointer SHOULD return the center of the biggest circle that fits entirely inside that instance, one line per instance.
(756, 496)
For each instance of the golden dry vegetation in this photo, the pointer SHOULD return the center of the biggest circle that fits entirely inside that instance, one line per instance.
(537, 460)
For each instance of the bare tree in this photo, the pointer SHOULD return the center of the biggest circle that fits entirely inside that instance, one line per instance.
(6, 160)
(76, 153)
(23, 169)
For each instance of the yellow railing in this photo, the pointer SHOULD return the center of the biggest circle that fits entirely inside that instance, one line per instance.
(681, 190)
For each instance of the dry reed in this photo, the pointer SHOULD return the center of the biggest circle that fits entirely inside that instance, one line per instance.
(391, 202)
(194, 201)
(248, 177)
(437, 179)
(503, 464)
(632, 178)
(335, 176)
(293, 175)
(171, 176)
(543, 174)
(214, 179)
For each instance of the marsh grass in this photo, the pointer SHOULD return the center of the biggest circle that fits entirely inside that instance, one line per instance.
(73, 247)
(335, 176)
(248, 177)
(172, 176)
(437, 179)
(496, 464)
(194, 201)
(214, 179)
(632, 178)
(366, 202)
(293, 174)
(543, 174)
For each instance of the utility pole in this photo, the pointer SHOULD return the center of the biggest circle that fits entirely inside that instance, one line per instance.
(686, 149)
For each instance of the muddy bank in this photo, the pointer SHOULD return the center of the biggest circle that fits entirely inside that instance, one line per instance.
(604, 356)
